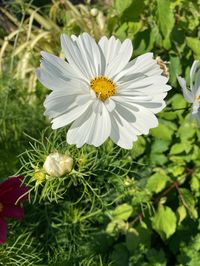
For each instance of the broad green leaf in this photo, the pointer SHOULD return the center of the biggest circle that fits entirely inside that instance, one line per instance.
(178, 101)
(139, 147)
(164, 222)
(160, 145)
(120, 255)
(165, 17)
(195, 184)
(177, 148)
(186, 131)
(162, 132)
(122, 5)
(158, 158)
(111, 228)
(133, 11)
(194, 45)
(132, 239)
(139, 235)
(144, 41)
(187, 197)
(122, 212)
(182, 213)
(157, 182)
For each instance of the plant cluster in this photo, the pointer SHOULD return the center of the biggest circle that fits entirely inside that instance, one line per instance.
(115, 207)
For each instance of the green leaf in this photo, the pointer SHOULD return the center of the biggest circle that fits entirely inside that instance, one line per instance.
(178, 101)
(160, 146)
(120, 255)
(158, 158)
(164, 222)
(157, 182)
(162, 132)
(165, 17)
(182, 213)
(122, 5)
(186, 131)
(193, 44)
(122, 212)
(195, 184)
(133, 11)
(174, 69)
(177, 148)
(132, 239)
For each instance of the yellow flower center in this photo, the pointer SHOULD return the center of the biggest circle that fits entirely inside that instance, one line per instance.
(103, 87)
(198, 98)
(1, 206)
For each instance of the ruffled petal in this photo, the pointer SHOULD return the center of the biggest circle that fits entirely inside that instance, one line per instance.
(121, 60)
(93, 127)
(192, 74)
(187, 94)
(72, 114)
(91, 54)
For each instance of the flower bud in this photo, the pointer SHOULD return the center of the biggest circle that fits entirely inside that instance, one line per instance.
(94, 12)
(39, 176)
(58, 164)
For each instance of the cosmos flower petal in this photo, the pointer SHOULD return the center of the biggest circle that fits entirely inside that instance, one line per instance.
(197, 84)
(187, 94)
(143, 65)
(195, 107)
(3, 231)
(121, 60)
(110, 48)
(75, 57)
(153, 103)
(91, 54)
(93, 127)
(123, 131)
(192, 73)
(65, 119)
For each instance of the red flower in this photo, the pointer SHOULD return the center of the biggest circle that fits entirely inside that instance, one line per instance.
(10, 191)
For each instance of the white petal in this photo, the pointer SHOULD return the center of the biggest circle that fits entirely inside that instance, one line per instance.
(75, 57)
(192, 73)
(93, 127)
(70, 116)
(54, 73)
(91, 55)
(187, 94)
(197, 84)
(56, 105)
(121, 60)
(123, 131)
(110, 48)
(195, 107)
(143, 65)
(152, 103)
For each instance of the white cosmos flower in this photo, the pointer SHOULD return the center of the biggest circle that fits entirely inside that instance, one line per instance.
(193, 94)
(101, 92)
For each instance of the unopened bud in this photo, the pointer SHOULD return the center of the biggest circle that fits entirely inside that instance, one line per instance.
(94, 12)
(58, 164)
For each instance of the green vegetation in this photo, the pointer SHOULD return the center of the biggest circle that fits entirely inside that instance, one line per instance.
(116, 207)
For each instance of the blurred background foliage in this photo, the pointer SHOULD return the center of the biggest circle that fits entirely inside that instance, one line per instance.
(117, 207)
